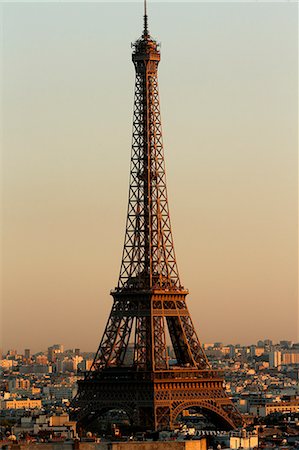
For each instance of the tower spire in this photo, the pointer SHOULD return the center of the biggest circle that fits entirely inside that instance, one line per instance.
(145, 29)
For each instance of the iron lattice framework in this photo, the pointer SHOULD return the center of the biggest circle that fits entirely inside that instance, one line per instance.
(148, 258)
(131, 369)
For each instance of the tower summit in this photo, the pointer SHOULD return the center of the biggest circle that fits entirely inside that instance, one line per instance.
(132, 370)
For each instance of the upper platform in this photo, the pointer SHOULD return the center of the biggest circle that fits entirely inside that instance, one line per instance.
(146, 49)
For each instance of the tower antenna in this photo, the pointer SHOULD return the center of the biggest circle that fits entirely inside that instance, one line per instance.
(145, 31)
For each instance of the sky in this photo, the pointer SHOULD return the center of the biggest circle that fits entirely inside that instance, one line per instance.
(228, 81)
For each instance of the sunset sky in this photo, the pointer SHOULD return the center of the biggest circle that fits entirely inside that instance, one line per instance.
(228, 82)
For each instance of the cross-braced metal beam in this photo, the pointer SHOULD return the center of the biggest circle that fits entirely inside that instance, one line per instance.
(149, 302)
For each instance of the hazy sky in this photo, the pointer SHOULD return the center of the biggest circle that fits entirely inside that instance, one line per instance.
(228, 86)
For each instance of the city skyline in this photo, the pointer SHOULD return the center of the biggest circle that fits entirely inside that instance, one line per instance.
(64, 208)
(262, 381)
(257, 344)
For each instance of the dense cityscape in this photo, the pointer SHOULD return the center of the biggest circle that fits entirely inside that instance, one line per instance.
(262, 380)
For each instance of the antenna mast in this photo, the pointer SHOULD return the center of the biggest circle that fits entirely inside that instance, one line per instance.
(145, 31)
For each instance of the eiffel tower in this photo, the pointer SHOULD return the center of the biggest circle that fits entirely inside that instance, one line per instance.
(132, 370)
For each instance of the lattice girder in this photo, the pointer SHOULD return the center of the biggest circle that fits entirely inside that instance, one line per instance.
(148, 257)
(132, 368)
(148, 315)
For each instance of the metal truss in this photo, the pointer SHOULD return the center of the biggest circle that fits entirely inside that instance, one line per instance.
(148, 257)
(146, 316)
(149, 300)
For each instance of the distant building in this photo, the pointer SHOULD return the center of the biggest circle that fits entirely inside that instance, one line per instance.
(7, 364)
(292, 406)
(275, 359)
(41, 359)
(68, 364)
(243, 439)
(18, 383)
(232, 351)
(21, 404)
(53, 351)
(57, 425)
(24, 426)
(207, 346)
(60, 392)
(290, 357)
(218, 345)
(35, 368)
(259, 351)
(85, 365)
(225, 350)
